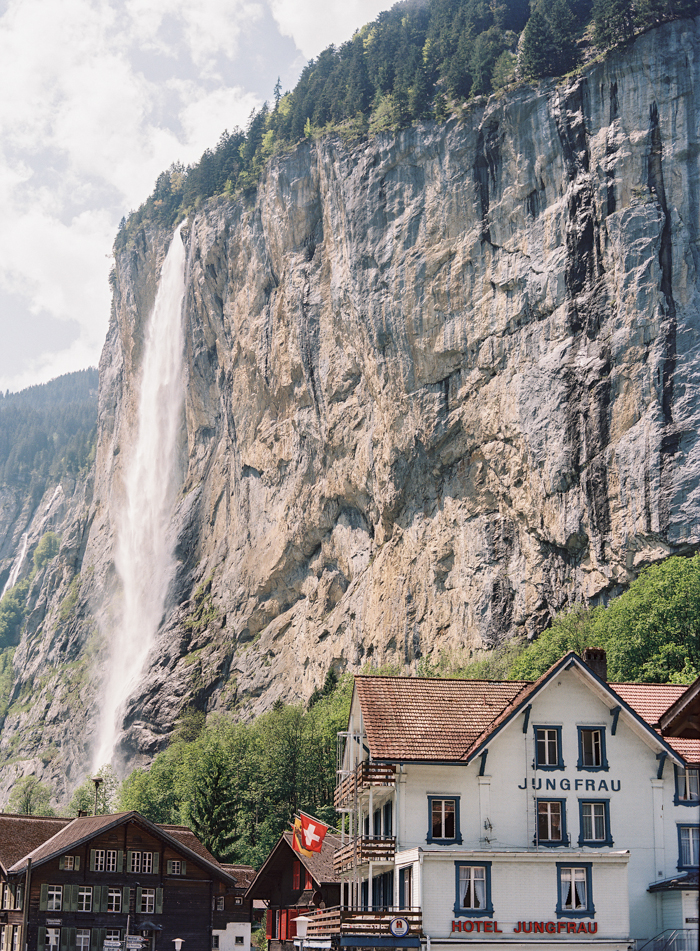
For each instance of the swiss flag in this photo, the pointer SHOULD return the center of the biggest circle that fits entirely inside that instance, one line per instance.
(312, 833)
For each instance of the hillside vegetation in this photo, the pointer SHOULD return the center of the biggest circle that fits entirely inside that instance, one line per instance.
(416, 61)
(237, 785)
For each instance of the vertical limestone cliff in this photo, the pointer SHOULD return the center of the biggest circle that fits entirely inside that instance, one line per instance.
(440, 385)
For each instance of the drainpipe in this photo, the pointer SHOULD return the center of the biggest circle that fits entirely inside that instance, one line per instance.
(25, 906)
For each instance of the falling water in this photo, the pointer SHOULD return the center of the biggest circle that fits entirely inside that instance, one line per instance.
(17, 566)
(144, 555)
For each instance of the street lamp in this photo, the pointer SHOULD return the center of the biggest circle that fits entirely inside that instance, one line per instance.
(178, 942)
(97, 780)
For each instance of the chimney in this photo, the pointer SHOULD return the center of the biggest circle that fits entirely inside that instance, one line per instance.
(596, 659)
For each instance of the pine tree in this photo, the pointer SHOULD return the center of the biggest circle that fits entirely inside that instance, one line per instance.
(538, 54)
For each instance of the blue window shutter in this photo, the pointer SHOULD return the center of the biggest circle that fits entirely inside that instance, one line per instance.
(92, 860)
(156, 862)
(169, 867)
(41, 940)
(71, 938)
(43, 897)
(77, 863)
(65, 939)
(126, 895)
(183, 868)
(120, 861)
(62, 862)
(159, 901)
(139, 891)
(128, 861)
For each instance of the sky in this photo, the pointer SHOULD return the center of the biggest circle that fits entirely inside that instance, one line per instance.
(97, 98)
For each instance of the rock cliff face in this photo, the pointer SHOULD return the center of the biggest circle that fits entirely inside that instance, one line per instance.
(439, 386)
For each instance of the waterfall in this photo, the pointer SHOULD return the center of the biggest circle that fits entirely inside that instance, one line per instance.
(17, 565)
(144, 553)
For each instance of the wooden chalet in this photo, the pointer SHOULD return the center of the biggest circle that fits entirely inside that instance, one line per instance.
(233, 912)
(105, 883)
(293, 884)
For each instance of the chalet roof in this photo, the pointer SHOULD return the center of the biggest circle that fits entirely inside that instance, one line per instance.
(80, 831)
(244, 874)
(684, 881)
(429, 720)
(652, 702)
(683, 716)
(418, 718)
(20, 833)
(319, 864)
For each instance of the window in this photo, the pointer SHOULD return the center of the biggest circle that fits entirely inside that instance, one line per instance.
(135, 865)
(111, 860)
(53, 902)
(406, 887)
(53, 936)
(69, 862)
(551, 822)
(308, 881)
(575, 898)
(15, 938)
(591, 749)
(237, 900)
(444, 820)
(147, 862)
(2, 939)
(548, 747)
(148, 901)
(388, 817)
(113, 934)
(85, 898)
(114, 900)
(239, 939)
(215, 941)
(220, 903)
(82, 939)
(377, 823)
(594, 823)
(688, 846)
(473, 889)
(296, 875)
(176, 867)
(99, 860)
(687, 786)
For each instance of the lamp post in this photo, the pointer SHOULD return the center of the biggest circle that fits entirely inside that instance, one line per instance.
(178, 942)
(97, 780)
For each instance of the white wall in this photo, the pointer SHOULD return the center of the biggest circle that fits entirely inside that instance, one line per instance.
(234, 929)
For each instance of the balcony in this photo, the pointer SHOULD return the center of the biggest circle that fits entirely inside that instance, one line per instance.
(367, 774)
(363, 850)
(373, 923)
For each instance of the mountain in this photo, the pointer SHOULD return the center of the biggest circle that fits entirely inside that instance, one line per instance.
(440, 384)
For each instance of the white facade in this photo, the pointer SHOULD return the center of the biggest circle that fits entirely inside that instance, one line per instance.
(236, 937)
(543, 848)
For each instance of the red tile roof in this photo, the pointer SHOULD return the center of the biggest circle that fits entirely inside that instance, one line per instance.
(415, 718)
(651, 701)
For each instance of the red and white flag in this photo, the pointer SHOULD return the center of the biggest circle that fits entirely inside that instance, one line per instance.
(312, 833)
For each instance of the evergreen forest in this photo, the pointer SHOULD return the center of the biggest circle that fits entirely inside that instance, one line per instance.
(48, 431)
(419, 60)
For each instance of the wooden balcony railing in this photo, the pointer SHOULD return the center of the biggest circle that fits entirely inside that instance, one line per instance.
(374, 923)
(362, 850)
(367, 774)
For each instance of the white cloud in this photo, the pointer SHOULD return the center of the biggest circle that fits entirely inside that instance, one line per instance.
(85, 129)
(315, 24)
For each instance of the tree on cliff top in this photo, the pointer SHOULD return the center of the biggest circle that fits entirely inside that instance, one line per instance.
(30, 797)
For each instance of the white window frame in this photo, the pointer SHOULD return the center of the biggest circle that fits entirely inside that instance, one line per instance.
(99, 860)
(84, 898)
(176, 867)
(113, 934)
(442, 818)
(688, 846)
(69, 863)
(470, 876)
(596, 750)
(54, 898)
(597, 821)
(215, 942)
(111, 860)
(148, 901)
(82, 939)
(548, 814)
(569, 878)
(689, 784)
(135, 863)
(55, 934)
(114, 898)
(147, 863)
(545, 742)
